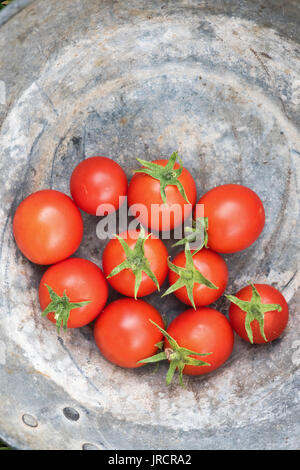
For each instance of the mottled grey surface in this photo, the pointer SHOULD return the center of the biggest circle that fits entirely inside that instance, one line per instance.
(219, 82)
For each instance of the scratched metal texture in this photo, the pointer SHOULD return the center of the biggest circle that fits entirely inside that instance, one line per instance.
(220, 82)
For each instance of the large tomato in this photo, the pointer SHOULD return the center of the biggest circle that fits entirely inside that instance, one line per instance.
(73, 292)
(197, 279)
(162, 194)
(235, 217)
(197, 342)
(47, 227)
(258, 313)
(135, 266)
(124, 334)
(98, 181)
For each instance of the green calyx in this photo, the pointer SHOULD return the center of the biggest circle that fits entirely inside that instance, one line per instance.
(188, 276)
(255, 310)
(196, 233)
(61, 307)
(177, 356)
(136, 261)
(167, 175)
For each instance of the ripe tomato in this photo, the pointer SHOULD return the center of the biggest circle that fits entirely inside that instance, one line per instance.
(135, 267)
(258, 313)
(124, 334)
(191, 335)
(74, 282)
(236, 217)
(47, 227)
(190, 280)
(204, 331)
(96, 181)
(148, 191)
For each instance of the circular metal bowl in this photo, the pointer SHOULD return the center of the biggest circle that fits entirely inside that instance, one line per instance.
(220, 83)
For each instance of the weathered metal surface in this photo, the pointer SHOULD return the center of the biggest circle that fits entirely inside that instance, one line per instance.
(220, 82)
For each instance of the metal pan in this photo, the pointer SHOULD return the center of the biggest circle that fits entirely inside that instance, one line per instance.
(219, 82)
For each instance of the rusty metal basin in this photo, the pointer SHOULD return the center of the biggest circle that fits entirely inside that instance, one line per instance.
(219, 82)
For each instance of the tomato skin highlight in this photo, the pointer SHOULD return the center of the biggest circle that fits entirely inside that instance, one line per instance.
(236, 217)
(144, 189)
(47, 227)
(204, 330)
(274, 322)
(82, 280)
(154, 250)
(213, 267)
(96, 181)
(124, 334)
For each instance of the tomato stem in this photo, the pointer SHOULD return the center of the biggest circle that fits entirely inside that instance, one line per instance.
(196, 233)
(136, 261)
(255, 310)
(188, 277)
(177, 356)
(167, 175)
(61, 307)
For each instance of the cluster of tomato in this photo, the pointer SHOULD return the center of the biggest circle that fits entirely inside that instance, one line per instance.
(130, 332)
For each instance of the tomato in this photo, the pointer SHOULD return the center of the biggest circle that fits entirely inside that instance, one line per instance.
(124, 334)
(96, 181)
(47, 227)
(78, 292)
(197, 342)
(204, 331)
(235, 215)
(135, 267)
(163, 194)
(190, 280)
(258, 313)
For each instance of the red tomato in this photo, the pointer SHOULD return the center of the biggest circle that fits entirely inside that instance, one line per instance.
(124, 334)
(145, 190)
(212, 266)
(204, 331)
(236, 217)
(96, 181)
(82, 281)
(47, 227)
(273, 321)
(153, 255)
